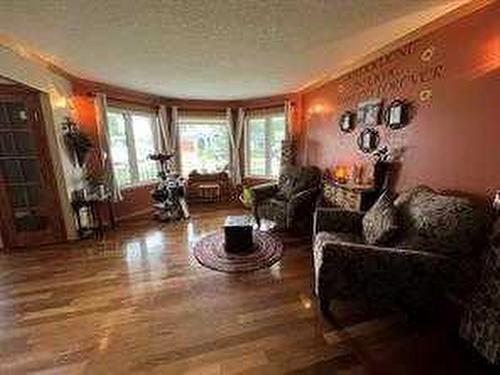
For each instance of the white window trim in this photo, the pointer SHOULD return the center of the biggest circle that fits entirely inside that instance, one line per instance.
(246, 127)
(201, 122)
(132, 157)
(138, 184)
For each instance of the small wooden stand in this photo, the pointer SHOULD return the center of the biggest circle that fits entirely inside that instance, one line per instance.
(238, 232)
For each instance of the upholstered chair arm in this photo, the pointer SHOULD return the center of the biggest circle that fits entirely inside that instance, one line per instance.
(337, 220)
(300, 208)
(304, 198)
(261, 192)
(344, 270)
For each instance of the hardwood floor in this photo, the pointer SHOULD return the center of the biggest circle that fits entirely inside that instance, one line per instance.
(138, 302)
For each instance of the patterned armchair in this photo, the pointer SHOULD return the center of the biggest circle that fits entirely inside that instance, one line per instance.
(399, 254)
(289, 202)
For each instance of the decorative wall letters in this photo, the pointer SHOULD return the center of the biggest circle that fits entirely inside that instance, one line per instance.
(389, 76)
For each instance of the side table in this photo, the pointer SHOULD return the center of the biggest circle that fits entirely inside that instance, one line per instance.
(238, 233)
(95, 206)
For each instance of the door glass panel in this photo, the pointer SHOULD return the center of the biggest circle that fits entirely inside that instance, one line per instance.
(29, 221)
(18, 143)
(11, 170)
(13, 115)
(24, 196)
(18, 116)
(20, 168)
(33, 195)
(17, 196)
(4, 115)
(30, 170)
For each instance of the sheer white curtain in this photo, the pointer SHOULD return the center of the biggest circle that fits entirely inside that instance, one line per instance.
(101, 110)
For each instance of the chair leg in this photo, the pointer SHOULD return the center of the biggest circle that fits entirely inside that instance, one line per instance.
(256, 216)
(324, 306)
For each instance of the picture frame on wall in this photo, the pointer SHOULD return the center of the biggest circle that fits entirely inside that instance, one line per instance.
(368, 140)
(347, 121)
(397, 114)
(369, 112)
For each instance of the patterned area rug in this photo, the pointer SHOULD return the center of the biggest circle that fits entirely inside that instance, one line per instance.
(209, 251)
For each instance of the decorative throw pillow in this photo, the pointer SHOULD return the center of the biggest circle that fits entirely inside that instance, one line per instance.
(380, 223)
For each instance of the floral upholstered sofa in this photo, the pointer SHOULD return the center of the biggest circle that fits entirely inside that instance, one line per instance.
(480, 324)
(402, 253)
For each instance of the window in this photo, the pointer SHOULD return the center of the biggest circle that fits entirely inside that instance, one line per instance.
(131, 141)
(203, 144)
(264, 134)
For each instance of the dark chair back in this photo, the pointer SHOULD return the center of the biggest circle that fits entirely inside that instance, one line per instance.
(294, 179)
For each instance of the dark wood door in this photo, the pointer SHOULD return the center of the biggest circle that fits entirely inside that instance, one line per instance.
(30, 212)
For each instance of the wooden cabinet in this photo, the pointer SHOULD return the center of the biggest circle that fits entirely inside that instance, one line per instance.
(30, 211)
(354, 197)
(348, 197)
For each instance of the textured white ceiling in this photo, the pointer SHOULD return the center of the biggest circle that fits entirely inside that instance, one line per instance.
(212, 49)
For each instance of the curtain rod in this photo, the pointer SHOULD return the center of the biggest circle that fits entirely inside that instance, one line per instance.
(154, 102)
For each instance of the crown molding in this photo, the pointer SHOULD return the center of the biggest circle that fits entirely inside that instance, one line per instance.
(446, 19)
(86, 86)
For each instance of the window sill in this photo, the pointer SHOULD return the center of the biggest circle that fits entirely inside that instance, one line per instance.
(136, 185)
(267, 178)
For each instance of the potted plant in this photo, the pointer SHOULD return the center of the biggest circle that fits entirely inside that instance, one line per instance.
(246, 197)
(77, 142)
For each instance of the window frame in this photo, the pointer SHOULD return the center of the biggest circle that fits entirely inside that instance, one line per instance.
(133, 164)
(268, 118)
(201, 121)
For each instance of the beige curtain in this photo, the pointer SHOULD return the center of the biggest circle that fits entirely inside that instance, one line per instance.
(163, 130)
(235, 130)
(232, 139)
(173, 140)
(288, 110)
(240, 126)
(101, 110)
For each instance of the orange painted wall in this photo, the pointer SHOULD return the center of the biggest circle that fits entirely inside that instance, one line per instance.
(453, 141)
(135, 200)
